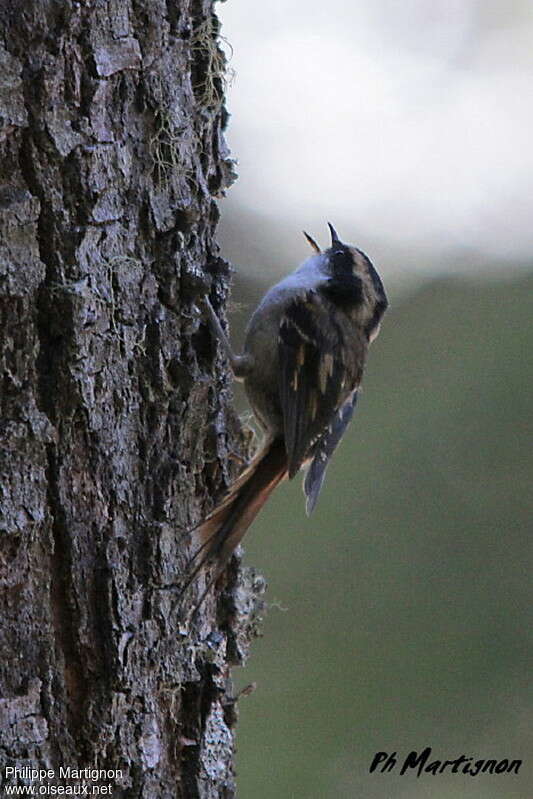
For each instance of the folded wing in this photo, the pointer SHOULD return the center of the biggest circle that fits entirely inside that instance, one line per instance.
(320, 358)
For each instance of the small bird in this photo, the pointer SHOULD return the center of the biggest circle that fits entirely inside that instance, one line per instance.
(304, 354)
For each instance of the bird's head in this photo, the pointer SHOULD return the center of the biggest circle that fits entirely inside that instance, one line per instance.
(344, 260)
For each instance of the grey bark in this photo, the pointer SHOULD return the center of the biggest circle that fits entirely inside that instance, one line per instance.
(116, 431)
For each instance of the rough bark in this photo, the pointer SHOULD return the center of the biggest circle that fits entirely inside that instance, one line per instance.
(116, 432)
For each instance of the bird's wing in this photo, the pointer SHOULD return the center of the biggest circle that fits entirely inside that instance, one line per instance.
(320, 364)
(323, 451)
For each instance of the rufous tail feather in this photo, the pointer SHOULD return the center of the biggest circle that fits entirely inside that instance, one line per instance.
(225, 527)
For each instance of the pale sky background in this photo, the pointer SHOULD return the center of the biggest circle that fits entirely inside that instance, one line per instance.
(408, 124)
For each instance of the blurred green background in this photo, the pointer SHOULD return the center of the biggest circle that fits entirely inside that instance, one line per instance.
(400, 613)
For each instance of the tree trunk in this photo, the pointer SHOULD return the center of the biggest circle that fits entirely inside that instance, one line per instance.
(116, 433)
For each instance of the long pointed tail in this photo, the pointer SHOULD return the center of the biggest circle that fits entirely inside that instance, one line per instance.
(225, 527)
